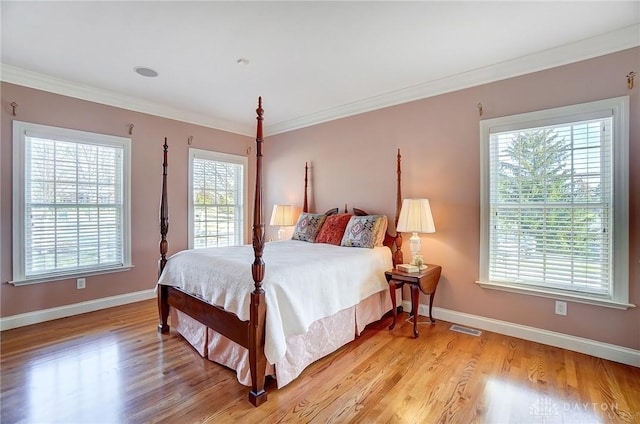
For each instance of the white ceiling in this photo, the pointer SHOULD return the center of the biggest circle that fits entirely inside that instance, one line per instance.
(311, 61)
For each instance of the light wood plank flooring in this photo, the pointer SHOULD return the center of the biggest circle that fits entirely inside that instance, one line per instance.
(111, 366)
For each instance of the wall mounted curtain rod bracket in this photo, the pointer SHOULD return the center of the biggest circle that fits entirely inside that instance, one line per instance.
(479, 106)
(131, 129)
(630, 77)
(14, 105)
(190, 140)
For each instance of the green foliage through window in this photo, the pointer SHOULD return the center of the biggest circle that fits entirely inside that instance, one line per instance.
(550, 205)
(217, 201)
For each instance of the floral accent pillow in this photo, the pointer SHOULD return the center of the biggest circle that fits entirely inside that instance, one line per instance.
(365, 231)
(308, 226)
(333, 229)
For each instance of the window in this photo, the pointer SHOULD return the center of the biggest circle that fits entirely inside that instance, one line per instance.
(554, 203)
(71, 208)
(216, 199)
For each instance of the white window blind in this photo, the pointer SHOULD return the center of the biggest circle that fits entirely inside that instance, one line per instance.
(217, 196)
(555, 199)
(551, 202)
(71, 198)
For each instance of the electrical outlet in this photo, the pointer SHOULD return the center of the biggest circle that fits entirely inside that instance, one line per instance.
(561, 307)
(81, 283)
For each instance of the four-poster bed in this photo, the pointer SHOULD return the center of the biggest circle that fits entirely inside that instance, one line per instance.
(243, 319)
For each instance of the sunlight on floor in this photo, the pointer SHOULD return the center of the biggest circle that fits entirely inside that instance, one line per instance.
(82, 383)
(510, 403)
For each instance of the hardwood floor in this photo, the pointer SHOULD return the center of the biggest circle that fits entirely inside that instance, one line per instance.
(111, 366)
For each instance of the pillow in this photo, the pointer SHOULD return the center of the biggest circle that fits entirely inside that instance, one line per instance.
(365, 231)
(308, 226)
(333, 229)
(382, 232)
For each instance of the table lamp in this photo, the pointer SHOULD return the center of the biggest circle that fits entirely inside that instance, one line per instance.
(415, 217)
(281, 216)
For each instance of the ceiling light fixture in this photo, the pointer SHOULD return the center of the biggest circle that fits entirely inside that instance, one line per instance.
(145, 72)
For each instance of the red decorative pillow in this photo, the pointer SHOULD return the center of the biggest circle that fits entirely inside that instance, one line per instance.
(333, 229)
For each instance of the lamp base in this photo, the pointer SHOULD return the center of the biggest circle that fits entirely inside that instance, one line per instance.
(414, 246)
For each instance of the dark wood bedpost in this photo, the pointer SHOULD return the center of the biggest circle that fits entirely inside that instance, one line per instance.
(163, 303)
(305, 204)
(397, 255)
(257, 359)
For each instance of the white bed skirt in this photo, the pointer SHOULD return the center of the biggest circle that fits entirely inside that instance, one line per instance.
(324, 337)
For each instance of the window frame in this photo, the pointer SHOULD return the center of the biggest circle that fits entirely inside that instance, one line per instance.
(618, 108)
(20, 130)
(211, 155)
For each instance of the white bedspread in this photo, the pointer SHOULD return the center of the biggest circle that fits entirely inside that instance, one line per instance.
(303, 282)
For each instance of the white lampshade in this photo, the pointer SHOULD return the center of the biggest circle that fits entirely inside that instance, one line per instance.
(281, 216)
(415, 217)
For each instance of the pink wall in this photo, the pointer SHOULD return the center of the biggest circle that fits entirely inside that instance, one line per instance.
(353, 161)
(146, 173)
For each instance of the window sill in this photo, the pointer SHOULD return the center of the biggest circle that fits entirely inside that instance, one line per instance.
(557, 294)
(49, 278)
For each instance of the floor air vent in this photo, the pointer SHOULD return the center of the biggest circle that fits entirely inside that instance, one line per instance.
(465, 330)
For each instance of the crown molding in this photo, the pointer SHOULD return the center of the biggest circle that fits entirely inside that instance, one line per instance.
(18, 76)
(611, 42)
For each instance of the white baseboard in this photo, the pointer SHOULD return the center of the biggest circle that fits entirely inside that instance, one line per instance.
(602, 350)
(36, 317)
(578, 344)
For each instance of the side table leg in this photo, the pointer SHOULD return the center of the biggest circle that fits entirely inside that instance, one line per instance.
(392, 293)
(430, 306)
(415, 299)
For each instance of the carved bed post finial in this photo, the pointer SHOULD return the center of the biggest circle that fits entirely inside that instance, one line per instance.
(398, 187)
(258, 225)
(164, 212)
(397, 255)
(305, 204)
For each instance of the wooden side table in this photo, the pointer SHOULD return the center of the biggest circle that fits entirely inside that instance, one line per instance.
(425, 280)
